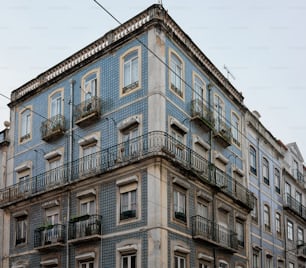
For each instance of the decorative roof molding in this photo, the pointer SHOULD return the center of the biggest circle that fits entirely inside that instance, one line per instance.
(154, 14)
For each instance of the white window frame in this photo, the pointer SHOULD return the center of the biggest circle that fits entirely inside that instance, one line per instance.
(267, 217)
(179, 203)
(219, 111)
(21, 229)
(236, 128)
(128, 59)
(25, 124)
(126, 186)
(176, 74)
(278, 223)
(240, 232)
(300, 234)
(277, 179)
(290, 230)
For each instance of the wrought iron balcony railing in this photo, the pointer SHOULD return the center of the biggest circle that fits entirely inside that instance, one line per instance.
(294, 205)
(223, 132)
(4, 140)
(151, 144)
(85, 226)
(201, 110)
(49, 235)
(87, 111)
(52, 127)
(210, 231)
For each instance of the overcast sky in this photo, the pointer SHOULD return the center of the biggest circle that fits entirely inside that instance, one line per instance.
(263, 43)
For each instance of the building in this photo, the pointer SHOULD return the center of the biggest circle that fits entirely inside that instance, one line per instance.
(265, 162)
(4, 144)
(137, 152)
(294, 207)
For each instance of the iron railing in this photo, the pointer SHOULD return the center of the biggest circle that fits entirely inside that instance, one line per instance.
(48, 235)
(4, 137)
(200, 109)
(294, 205)
(151, 144)
(88, 107)
(223, 130)
(208, 230)
(52, 126)
(85, 225)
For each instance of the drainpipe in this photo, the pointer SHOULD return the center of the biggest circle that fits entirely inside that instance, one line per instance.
(70, 157)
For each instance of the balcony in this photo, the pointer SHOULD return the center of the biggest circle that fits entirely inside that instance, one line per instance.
(231, 187)
(49, 237)
(87, 111)
(85, 228)
(222, 133)
(53, 128)
(4, 140)
(202, 114)
(153, 144)
(301, 251)
(294, 206)
(208, 231)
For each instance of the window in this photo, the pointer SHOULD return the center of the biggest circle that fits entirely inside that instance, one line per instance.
(240, 233)
(54, 163)
(300, 234)
(179, 261)
(287, 190)
(295, 169)
(223, 264)
(56, 104)
(298, 198)
(90, 86)
(130, 143)
(254, 212)
(130, 64)
(277, 180)
(253, 161)
(204, 264)
(199, 95)
(291, 265)
(267, 218)
(86, 264)
(236, 129)
(255, 259)
(179, 203)
(202, 210)
(128, 261)
(219, 113)
(25, 120)
(128, 198)
(289, 230)
(176, 74)
(278, 224)
(23, 173)
(51, 220)
(90, 159)
(128, 202)
(88, 206)
(21, 230)
(269, 261)
(265, 171)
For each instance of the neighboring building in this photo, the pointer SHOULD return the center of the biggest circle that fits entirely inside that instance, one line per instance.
(265, 158)
(4, 143)
(294, 194)
(138, 161)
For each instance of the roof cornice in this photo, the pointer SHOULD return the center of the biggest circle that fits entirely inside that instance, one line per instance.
(137, 24)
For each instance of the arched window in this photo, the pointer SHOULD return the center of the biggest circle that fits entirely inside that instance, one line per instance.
(267, 222)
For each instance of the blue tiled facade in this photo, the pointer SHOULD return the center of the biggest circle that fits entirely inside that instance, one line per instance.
(111, 187)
